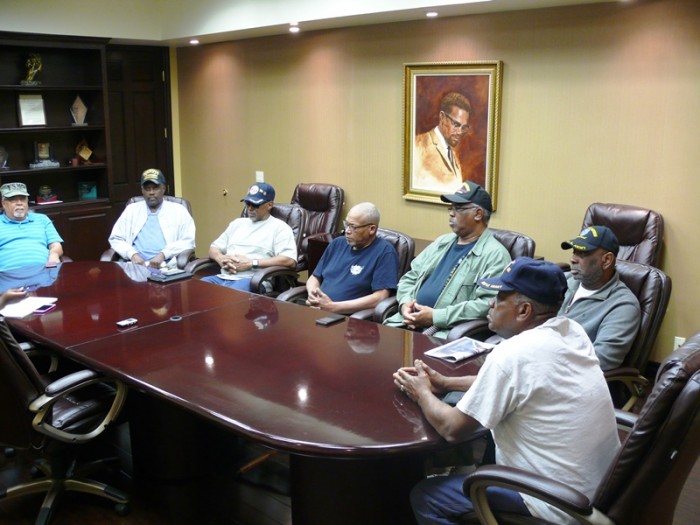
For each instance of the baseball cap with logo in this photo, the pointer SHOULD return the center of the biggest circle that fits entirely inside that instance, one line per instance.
(259, 193)
(470, 193)
(153, 175)
(542, 281)
(594, 237)
(12, 189)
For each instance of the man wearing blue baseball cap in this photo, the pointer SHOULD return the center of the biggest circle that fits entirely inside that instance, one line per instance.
(256, 241)
(440, 290)
(540, 392)
(596, 297)
(153, 231)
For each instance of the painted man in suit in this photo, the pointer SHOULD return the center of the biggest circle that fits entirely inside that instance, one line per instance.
(436, 164)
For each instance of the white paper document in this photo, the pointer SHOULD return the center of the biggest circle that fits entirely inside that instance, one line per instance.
(26, 306)
(460, 349)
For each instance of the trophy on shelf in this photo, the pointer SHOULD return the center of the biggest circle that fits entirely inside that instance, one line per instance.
(46, 195)
(82, 152)
(33, 65)
(78, 110)
(3, 159)
(42, 157)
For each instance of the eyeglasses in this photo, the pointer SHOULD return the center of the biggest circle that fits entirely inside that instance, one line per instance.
(456, 124)
(461, 209)
(353, 227)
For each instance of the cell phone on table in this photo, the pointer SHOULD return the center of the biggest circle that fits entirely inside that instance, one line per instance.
(330, 319)
(44, 309)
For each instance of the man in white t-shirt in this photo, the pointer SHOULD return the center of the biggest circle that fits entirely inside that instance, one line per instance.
(540, 392)
(256, 241)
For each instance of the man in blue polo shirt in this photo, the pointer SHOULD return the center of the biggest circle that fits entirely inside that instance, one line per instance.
(26, 239)
(356, 271)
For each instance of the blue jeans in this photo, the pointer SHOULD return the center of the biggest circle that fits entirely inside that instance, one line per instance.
(238, 284)
(440, 501)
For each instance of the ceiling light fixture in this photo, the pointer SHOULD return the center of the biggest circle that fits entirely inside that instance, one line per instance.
(194, 41)
(431, 14)
(294, 27)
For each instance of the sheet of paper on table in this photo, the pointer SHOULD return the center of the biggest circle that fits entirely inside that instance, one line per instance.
(460, 349)
(26, 306)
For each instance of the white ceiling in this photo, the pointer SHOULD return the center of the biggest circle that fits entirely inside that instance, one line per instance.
(219, 20)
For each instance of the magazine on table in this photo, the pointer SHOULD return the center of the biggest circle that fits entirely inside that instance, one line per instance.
(460, 349)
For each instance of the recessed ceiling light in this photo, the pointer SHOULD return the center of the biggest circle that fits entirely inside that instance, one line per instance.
(194, 41)
(431, 14)
(294, 29)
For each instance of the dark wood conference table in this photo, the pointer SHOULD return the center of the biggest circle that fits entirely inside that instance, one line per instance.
(263, 369)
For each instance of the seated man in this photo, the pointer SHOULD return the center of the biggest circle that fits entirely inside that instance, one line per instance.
(596, 297)
(356, 271)
(540, 392)
(154, 231)
(26, 238)
(440, 290)
(256, 241)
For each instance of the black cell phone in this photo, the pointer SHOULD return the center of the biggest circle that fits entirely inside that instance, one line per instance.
(45, 308)
(330, 319)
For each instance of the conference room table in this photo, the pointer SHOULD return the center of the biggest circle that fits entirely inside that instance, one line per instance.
(264, 370)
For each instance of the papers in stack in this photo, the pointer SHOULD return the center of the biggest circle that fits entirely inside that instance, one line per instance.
(460, 349)
(26, 306)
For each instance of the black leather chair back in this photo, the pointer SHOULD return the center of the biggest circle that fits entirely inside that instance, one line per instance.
(644, 482)
(517, 244)
(640, 231)
(178, 200)
(405, 247)
(324, 204)
(653, 290)
(20, 384)
(297, 218)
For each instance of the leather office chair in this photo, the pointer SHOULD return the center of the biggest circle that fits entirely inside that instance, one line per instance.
(324, 204)
(275, 279)
(653, 290)
(640, 231)
(109, 255)
(644, 481)
(54, 418)
(405, 248)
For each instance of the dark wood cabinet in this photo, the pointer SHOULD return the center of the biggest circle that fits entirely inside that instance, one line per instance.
(71, 67)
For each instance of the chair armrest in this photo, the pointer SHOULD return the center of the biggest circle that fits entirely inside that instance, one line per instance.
(32, 351)
(635, 383)
(625, 420)
(561, 496)
(474, 328)
(366, 314)
(385, 308)
(203, 263)
(298, 295)
(279, 279)
(61, 389)
(565, 266)
(109, 255)
(184, 257)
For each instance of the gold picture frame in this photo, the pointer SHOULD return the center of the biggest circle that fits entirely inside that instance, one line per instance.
(474, 134)
(31, 110)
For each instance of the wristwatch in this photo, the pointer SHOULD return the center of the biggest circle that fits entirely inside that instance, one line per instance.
(255, 264)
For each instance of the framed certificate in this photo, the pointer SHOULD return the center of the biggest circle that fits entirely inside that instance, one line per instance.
(31, 110)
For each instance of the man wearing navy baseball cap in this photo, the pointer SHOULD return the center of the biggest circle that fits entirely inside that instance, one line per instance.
(525, 394)
(256, 241)
(439, 291)
(597, 298)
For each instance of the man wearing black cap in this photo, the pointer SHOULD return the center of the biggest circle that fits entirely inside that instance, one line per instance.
(154, 231)
(596, 297)
(540, 392)
(256, 241)
(440, 290)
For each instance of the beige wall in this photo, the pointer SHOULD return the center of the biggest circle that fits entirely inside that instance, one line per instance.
(600, 103)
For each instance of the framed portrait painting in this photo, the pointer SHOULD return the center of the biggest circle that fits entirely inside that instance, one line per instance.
(452, 119)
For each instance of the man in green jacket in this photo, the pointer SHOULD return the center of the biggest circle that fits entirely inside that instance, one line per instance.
(441, 288)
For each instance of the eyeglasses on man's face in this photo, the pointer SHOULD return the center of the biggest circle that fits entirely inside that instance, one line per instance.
(352, 227)
(456, 125)
(461, 209)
